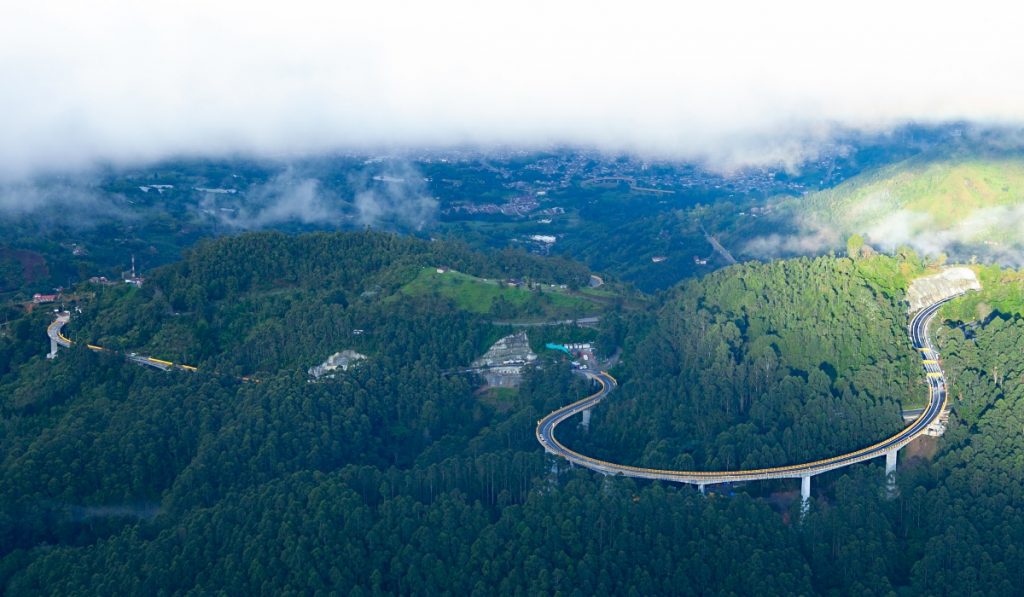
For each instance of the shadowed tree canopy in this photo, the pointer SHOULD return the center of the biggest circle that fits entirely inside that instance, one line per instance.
(400, 477)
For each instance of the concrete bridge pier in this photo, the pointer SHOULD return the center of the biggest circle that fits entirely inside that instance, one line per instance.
(700, 488)
(586, 419)
(890, 472)
(805, 494)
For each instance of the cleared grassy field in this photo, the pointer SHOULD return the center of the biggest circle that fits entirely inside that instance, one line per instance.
(480, 295)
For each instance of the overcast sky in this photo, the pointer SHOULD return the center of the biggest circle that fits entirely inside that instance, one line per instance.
(732, 82)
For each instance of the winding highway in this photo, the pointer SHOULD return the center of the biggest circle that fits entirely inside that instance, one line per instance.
(56, 332)
(918, 330)
(57, 339)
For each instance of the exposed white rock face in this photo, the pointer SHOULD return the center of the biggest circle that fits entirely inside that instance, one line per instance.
(510, 350)
(502, 364)
(950, 281)
(343, 360)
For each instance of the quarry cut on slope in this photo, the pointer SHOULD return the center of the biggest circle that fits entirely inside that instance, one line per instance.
(930, 289)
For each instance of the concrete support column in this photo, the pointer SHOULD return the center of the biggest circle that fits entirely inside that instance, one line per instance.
(805, 494)
(586, 419)
(890, 474)
(700, 488)
(890, 464)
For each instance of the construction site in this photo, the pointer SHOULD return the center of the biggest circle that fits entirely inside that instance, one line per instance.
(502, 365)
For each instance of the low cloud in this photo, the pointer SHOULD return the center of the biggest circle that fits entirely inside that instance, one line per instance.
(396, 197)
(74, 203)
(286, 198)
(812, 239)
(990, 234)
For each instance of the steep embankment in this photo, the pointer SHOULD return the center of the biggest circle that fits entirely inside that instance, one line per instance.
(949, 282)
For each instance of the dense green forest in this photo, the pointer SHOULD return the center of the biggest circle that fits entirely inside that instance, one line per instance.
(399, 477)
(764, 364)
(266, 302)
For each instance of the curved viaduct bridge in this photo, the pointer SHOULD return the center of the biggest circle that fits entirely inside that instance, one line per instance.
(58, 340)
(887, 447)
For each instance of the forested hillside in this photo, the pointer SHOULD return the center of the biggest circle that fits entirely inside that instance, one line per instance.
(268, 302)
(398, 477)
(765, 364)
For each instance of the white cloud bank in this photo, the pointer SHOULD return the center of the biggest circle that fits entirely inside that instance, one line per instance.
(731, 82)
(992, 234)
(396, 199)
(286, 198)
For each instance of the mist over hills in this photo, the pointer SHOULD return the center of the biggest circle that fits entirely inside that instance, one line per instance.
(966, 205)
(293, 294)
(950, 189)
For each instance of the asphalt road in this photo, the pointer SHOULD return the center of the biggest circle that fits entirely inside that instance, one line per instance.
(56, 333)
(55, 330)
